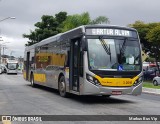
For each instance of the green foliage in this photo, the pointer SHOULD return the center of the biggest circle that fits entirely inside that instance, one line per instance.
(61, 16)
(150, 59)
(100, 20)
(146, 30)
(149, 84)
(150, 38)
(148, 33)
(76, 20)
(154, 35)
(142, 29)
(49, 26)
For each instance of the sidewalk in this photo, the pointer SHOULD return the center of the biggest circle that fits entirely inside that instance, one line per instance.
(151, 90)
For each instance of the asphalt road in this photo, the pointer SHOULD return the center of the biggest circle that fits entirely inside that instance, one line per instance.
(17, 97)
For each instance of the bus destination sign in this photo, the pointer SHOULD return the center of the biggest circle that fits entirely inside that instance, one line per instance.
(110, 32)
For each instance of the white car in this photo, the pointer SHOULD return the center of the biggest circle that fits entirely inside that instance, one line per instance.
(156, 81)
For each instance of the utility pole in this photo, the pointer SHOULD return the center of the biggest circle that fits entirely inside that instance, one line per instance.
(2, 46)
(0, 55)
(0, 51)
(1, 37)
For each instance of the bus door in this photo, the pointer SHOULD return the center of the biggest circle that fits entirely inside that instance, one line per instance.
(74, 64)
(27, 65)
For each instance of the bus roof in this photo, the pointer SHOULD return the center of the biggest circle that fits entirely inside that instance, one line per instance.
(108, 26)
(79, 30)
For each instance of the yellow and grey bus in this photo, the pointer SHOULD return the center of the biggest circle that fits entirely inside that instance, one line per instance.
(89, 60)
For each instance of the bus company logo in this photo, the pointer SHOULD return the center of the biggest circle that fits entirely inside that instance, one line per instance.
(106, 82)
(6, 118)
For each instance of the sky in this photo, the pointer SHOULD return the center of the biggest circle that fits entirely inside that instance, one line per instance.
(28, 12)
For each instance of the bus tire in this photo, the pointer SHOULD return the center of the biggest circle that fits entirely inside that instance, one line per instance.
(62, 87)
(155, 83)
(32, 80)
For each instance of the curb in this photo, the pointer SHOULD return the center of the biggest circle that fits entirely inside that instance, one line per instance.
(151, 90)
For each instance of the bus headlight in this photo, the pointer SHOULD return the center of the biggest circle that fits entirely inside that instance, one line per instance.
(92, 79)
(138, 81)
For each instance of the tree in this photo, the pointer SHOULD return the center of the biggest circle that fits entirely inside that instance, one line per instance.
(49, 26)
(100, 20)
(150, 38)
(32, 38)
(154, 36)
(76, 20)
(142, 29)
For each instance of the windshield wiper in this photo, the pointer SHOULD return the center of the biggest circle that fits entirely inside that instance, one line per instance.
(105, 46)
(122, 50)
(123, 46)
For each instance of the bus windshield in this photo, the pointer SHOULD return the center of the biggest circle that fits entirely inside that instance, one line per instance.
(114, 54)
(12, 66)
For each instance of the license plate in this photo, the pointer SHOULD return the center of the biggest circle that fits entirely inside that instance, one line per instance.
(116, 92)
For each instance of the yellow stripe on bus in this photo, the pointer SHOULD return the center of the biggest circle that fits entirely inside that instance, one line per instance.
(124, 82)
(40, 78)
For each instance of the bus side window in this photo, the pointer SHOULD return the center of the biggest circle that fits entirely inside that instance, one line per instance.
(32, 63)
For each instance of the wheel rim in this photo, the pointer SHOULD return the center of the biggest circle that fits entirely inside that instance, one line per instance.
(32, 81)
(62, 88)
(155, 83)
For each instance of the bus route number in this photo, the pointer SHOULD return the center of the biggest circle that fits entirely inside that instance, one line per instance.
(127, 82)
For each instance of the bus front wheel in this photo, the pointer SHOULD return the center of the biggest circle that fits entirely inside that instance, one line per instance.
(62, 87)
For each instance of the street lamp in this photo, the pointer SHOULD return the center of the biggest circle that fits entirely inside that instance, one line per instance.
(7, 18)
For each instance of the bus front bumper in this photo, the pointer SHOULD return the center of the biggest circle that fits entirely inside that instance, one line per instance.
(11, 71)
(91, 89)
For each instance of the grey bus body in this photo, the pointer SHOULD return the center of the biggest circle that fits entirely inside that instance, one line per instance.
(79, 77)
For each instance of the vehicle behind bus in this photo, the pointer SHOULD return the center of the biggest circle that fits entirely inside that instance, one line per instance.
(12, 67)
